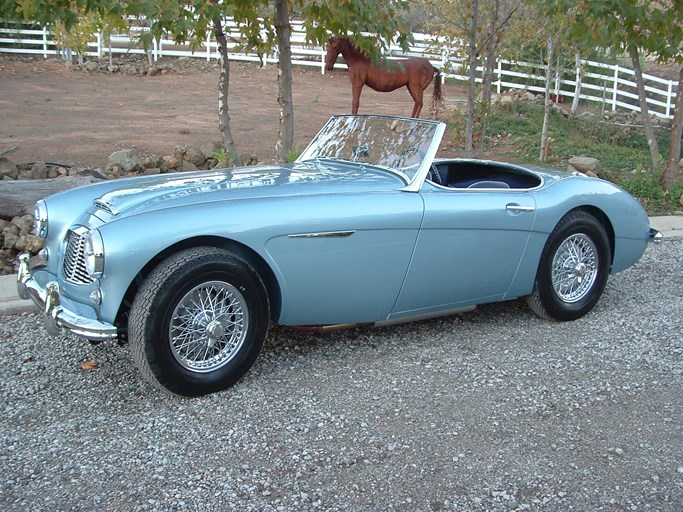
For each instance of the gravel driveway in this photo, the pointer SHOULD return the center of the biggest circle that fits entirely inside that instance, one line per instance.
(492, 410)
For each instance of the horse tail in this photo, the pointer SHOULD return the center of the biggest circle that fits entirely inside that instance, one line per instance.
(437, 96)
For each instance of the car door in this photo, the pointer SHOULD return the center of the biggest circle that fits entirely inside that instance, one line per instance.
(468, 249)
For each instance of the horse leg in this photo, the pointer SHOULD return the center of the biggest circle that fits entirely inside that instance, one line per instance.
(355, 102)
(417, 93)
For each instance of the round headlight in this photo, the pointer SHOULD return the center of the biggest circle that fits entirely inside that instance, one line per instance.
(93, 253)
(40, 216)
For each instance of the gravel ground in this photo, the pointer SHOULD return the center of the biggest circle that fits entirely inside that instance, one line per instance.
(492, 410)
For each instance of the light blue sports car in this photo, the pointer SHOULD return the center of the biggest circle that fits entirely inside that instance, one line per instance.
(367, 227)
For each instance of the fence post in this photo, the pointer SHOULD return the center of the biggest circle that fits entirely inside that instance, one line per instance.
(155, 49)
(499, 72)
(208, 47)
(668, 98)
(322, 60)
(615, 88)
(99, 44)
(45, 42)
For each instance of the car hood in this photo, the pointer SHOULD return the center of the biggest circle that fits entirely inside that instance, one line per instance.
(181, 189)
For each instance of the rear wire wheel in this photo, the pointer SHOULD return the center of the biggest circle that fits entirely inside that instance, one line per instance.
(198, 321)
(573, 270)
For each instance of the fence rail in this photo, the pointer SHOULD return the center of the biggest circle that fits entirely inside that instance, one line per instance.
(611, 86)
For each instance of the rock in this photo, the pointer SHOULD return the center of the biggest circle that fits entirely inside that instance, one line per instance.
(126, 159)
(10, 240)
(585, 164)
(187, 166)
(586, 116)
(39, 171)
(113, 68)
(210, 148)
(24, 223)
(189, 153)
(169, 163)
(33, 243)
(152, 71)
(92, 66)
(150, 162)
(506, 99)
(8, 169)
(151, 171)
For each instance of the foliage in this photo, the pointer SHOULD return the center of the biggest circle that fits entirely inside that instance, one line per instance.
(623, 152)
(293, 154)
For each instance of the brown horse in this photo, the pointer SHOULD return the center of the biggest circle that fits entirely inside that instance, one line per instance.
(415, 73)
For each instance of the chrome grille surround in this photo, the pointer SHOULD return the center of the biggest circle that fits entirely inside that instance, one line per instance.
(74, 259)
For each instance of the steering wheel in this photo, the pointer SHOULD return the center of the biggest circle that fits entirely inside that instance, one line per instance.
(436, 175)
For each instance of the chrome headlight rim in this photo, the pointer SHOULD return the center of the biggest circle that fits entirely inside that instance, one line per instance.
(93, 253)
(40, 218)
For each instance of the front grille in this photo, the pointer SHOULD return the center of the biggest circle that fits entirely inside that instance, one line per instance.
(74, 260)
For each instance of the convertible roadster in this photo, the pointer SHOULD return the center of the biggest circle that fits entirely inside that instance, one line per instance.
(366, 227)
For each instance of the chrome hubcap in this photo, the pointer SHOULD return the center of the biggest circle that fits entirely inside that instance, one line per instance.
(208, 326)
(574, 268)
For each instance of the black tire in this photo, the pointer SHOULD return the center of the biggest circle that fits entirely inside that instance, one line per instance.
(198, 322)
(573, 270)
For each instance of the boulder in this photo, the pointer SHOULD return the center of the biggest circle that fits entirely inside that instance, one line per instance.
(169, 163)
(92, 66)
(210, 148)
(126, 159)
(585, 164)
(39, 171)
(8, 169)
(189, 153)
(24, 223)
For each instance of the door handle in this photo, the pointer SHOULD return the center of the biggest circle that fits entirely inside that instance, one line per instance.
(517, 208)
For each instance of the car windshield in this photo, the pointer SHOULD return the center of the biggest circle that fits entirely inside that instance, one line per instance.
(402, 145)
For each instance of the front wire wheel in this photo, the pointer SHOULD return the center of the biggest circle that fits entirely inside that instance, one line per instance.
(208, 326)
(573, 270)
(198, 321)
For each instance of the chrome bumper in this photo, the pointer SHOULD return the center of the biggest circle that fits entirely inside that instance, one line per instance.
(56, 316)
(655, 236)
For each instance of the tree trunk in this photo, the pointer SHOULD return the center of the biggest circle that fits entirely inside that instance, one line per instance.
(546, 114)
(644, 110)
(18, 197)
(672, 169)
(579, 82)
(285, 140)
(472, 81)
(491, 49)
(223, 86)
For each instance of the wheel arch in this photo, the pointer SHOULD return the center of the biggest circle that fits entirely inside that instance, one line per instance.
(602, 217)
(242, 251)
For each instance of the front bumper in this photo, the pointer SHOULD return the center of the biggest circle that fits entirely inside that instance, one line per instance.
(56, 316)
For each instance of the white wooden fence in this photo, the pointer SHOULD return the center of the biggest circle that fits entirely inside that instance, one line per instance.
(612, 86)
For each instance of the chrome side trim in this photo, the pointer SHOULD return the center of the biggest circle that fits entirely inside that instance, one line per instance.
(49, 300)
(329, 234)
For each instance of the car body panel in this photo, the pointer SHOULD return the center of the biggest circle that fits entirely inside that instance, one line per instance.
(463, 231)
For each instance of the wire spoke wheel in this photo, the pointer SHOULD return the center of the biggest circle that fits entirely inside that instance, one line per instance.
(574, 268)
(198, 321)
(208, 326)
